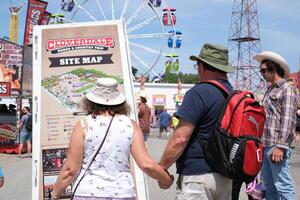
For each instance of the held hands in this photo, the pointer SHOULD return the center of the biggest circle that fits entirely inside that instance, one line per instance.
(277, 155)
(166, 185)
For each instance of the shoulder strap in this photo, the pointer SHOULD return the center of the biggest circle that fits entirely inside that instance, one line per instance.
(228, 95)
(219, 86)
(93, 158)
(83, 126)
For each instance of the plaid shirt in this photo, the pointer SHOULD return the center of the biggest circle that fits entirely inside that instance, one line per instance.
(280, 102)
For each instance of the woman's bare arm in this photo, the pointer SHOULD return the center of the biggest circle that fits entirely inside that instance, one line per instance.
(145, 161)
(73, 163)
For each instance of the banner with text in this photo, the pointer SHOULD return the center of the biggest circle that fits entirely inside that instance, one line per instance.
(35, 13)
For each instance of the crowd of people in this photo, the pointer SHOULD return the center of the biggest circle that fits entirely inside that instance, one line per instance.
(98, 161)
(90, 168)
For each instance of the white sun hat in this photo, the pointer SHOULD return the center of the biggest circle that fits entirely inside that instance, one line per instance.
(106, 92)
(272, 56)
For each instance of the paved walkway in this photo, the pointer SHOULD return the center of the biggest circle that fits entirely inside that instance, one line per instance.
(18, 174)
(156, 147)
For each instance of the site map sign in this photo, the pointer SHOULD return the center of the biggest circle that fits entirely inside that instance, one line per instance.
(67, 60)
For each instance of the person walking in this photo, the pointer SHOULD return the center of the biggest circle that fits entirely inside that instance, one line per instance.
(198, 116)
(280, 102)
(164, 122)
(144, 115)
(25, 134)
(109, 175)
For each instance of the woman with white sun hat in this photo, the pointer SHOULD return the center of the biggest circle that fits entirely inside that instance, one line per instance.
(99, 152)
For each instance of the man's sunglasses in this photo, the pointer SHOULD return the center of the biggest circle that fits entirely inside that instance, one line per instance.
(263, 70)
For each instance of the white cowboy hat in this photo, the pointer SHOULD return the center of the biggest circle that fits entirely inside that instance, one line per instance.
(106, 92)
(272, 56)
(143, 95)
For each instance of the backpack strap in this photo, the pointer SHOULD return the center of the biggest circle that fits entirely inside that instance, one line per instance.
(226, 93)
(218, 85)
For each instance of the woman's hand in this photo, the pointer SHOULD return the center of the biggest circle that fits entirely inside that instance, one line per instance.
(168, 183)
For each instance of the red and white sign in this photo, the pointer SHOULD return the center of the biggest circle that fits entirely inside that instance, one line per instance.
(35, 13)
(45, 19)
(159, 100)
(4, 89)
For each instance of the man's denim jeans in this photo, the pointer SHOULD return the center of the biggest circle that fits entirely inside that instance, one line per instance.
(277, 177)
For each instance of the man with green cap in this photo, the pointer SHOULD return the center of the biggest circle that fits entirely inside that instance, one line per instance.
(198, 115)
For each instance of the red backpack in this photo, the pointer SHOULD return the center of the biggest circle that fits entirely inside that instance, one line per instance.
(234, 148)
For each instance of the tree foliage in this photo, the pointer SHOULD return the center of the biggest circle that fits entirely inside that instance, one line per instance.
(185, 78)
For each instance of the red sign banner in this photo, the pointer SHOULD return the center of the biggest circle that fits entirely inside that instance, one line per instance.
(4, 89)
(35, 13)
(159, 100)
(45, 19)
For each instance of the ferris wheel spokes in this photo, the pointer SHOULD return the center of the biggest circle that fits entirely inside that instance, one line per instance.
(112, 10)
(143, 63)
(136, 13)
(149, 49)
(124, 9)
(87, 12)
(147, 35)
(142, 24)
(140, 17)
(101, 10)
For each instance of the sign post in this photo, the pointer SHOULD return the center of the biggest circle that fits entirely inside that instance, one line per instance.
(67, 60)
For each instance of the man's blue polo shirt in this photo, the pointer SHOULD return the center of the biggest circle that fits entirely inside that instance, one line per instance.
(201, 107)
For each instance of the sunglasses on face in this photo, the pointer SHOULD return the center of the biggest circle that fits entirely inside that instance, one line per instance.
(263, 70)
(195, 66)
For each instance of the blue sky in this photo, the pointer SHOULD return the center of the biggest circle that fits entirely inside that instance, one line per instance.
(204, 21)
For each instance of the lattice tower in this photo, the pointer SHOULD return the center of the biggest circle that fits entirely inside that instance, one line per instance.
(243, 45)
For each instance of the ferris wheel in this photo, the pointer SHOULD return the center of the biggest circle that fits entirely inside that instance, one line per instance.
(149, 24)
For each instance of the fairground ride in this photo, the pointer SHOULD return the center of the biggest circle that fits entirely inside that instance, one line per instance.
(149, 24)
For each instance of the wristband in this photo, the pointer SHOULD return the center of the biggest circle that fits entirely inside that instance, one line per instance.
(167, 172)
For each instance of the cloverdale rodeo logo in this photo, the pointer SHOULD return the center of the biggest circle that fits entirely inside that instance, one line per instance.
(57, 46)
(83, 43)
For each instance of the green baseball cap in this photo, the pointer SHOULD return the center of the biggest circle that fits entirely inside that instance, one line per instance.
(216, 56)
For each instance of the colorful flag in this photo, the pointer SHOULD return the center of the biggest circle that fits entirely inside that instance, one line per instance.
(35, 13)
(45, 19)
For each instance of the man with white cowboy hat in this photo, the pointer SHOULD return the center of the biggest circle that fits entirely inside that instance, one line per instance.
(144, 115)
(198, 115)
(280, 102)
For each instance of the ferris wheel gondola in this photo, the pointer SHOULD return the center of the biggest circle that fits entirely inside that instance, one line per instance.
(144, 21)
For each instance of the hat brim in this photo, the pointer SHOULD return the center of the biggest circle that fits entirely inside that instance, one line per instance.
(109, 102)
(225, 68)
(143, 97)
(259, 58)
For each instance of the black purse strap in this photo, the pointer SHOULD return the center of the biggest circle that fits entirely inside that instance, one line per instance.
(93, 158)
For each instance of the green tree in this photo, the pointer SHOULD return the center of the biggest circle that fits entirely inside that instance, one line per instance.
(185, 78)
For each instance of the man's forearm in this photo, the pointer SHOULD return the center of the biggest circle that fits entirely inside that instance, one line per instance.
(173, 151)
(177, 144)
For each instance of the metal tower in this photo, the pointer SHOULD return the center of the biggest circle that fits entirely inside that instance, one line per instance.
(14, 23)
(243, 45)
